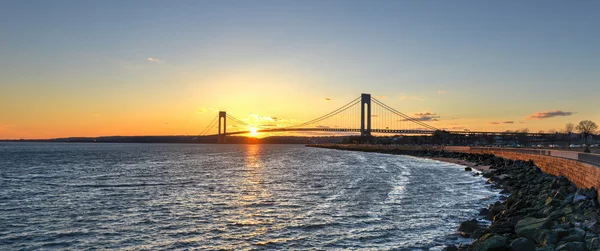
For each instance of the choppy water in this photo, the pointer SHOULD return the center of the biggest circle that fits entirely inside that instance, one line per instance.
(151, 196)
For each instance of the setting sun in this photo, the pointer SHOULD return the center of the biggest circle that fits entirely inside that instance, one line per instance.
(253, 131)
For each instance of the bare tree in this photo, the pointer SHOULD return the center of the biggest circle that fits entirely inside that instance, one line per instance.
(587, 128)
(569, 127)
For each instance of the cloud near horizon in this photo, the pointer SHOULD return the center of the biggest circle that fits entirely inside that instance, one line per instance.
(427, 116)
(549, 114)
(503, 122)
(326, 99)
(155, 60)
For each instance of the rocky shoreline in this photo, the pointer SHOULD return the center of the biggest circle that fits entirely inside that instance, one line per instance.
(537, 211)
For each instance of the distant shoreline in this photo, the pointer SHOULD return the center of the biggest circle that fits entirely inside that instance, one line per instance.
(187, 139)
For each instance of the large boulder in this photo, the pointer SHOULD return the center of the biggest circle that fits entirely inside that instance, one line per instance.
(486, 214)
(478, 233)
(579, 197)
(530, 227)
(493, 243)
(592, 193)
(549, 237)
(593, 243)
(545, 248)
(450, 248)
(468, 226)
(522, 244)
(572, 246)
(574, 235)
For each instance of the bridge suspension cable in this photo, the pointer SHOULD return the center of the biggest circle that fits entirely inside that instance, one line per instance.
(404, 116)
(237, 120)
(328, 115)
(210, 126)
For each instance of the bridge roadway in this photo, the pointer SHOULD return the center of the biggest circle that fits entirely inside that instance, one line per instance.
(389, 131)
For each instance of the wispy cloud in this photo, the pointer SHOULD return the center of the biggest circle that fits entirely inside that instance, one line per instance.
(155, 60)
(549, 114)
(427, 116)
(406, 97)
(326, 99)
(253, 118)
(440, 92)
(454, 128)
(503, 122)
(203, 110)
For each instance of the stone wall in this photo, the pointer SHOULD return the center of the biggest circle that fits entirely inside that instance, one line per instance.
(581, 174)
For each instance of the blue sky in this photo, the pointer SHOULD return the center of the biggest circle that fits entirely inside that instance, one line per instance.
(481, 61)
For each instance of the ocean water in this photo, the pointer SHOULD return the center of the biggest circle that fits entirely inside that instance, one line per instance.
(226, 197)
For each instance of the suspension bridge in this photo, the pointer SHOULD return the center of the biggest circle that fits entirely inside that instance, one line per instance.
(364, 114)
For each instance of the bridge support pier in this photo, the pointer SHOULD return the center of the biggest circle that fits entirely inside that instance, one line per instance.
(365, 130)
(221, 136)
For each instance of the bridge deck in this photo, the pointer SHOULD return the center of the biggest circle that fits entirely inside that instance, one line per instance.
(386, 131)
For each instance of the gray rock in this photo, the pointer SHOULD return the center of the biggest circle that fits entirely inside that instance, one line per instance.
(578, 198)
(592, 193)
(561, 193)
(592, 226)
(593, 244)
(568, 210)
(550, 201)
(486, 214)
(545, 248)
(573, 238)
(569, 199)
(572, 246)
(478, 233)
(548, 237)
(522, 244)
(495, 243)
(468, 226)
(530, 227)
(450, 248)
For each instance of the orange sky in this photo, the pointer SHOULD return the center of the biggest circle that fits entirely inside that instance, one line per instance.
(84, 69)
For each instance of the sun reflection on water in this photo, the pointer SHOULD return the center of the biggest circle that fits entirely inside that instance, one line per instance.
(254, 201)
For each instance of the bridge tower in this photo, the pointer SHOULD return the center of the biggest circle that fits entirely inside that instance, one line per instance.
(222, 115)
(365, 130)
